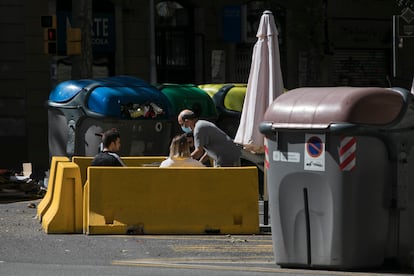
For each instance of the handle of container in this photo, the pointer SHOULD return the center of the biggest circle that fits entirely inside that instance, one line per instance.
(269, 128)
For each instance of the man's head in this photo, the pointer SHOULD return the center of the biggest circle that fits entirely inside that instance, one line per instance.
(187, 119)
(111, 140)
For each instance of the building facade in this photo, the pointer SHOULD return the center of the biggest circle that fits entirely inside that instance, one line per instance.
(322, 43)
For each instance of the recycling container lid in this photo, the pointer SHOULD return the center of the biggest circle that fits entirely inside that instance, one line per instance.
(128, 102)
(319, 107)
(119, 96)
(226, 96)
(211, 88)
(234, 98)
(189, 96)
(67, 90)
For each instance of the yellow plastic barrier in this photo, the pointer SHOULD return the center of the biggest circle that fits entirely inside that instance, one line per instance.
(146, 200)
(64, 214)
(132, 161)
(47, 199)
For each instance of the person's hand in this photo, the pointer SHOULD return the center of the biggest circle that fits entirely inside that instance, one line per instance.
(204, 158)
(197, 153)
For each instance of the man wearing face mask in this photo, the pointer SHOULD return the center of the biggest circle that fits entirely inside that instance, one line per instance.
(209, 141)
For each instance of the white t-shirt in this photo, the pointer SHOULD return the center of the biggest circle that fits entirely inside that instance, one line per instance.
(180, 162)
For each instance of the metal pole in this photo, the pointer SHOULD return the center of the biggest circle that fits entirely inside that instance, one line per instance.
(153, 64)
(265, 198)
(82, 18)
(394, 46)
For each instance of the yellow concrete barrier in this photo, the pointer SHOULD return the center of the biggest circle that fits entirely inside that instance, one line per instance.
(64, 214)
(144, 200)
(132, 161)
(47, 199)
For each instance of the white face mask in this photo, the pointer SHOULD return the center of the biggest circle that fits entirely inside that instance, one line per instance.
(186, 129)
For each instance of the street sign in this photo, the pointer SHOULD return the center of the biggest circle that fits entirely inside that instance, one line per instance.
(314, 159)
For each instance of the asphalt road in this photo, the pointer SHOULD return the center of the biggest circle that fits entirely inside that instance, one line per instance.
(27, 250)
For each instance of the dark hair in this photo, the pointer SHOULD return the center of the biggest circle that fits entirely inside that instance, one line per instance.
(188, 115)
(110, 136)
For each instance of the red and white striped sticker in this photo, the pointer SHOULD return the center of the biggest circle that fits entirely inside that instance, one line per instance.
(347, 156)
(266, 149)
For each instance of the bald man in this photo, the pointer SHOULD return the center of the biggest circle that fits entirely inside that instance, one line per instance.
(209, 140)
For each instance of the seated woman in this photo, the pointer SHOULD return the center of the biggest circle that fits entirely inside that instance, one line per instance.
(180, 155)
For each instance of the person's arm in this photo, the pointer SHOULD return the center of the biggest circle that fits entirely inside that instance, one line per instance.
(204, 158)
(198, 153)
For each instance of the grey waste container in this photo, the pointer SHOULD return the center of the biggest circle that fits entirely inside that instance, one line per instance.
(338, 162)
(80, 109)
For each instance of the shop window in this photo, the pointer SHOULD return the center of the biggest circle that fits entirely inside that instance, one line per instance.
(174, 42)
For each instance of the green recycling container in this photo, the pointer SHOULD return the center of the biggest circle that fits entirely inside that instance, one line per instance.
(188, 96)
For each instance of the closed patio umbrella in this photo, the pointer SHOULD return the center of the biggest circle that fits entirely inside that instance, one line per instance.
(264, 85)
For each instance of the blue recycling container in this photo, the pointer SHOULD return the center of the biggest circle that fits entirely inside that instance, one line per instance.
(79, 110)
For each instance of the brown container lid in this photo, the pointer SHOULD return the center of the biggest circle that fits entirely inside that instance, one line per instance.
(318, 107)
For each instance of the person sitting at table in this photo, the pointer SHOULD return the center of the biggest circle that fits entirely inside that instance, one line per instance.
(180, 155)
(111, 142)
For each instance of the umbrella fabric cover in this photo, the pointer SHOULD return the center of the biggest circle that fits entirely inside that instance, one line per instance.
(264, 85)
(412, 87)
